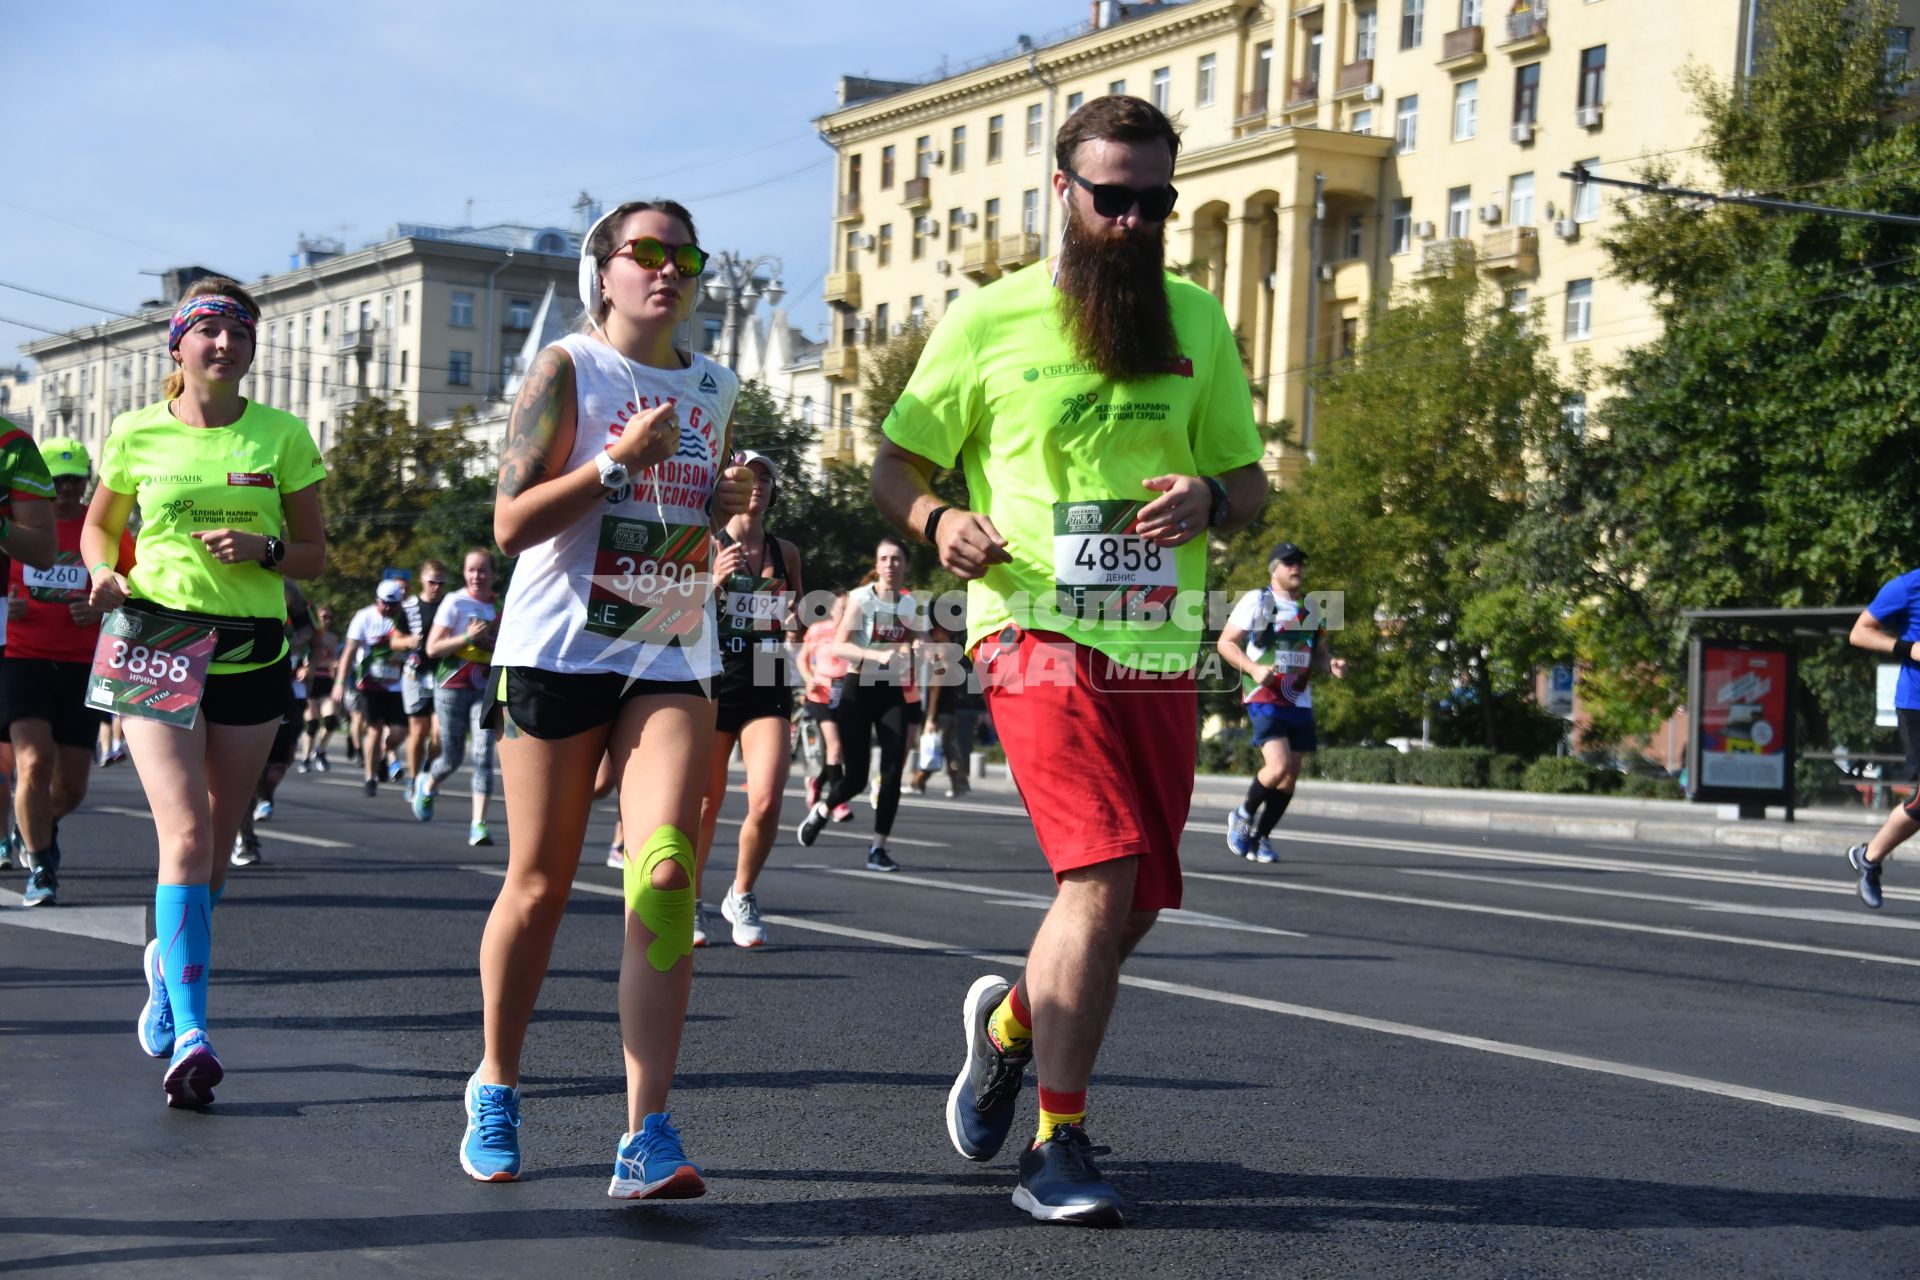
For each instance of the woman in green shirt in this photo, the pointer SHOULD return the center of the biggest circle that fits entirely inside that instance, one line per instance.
(229, 500)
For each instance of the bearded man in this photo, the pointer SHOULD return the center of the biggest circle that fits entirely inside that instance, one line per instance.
(1103, 419)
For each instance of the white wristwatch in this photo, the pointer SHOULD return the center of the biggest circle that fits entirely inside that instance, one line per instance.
(612, 474)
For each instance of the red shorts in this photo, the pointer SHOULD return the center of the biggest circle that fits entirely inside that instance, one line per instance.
(1103, 755)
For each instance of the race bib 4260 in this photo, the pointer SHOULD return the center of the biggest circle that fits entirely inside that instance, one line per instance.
(650, 582)
(62, 582)
(1102, 569)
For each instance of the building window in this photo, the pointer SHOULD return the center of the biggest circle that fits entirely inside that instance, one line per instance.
(1033, 129)
(1406, 124)
(953, 296)
(1466, 110)
(1413, 22)
(1363, 120)
(880, 315)
(1356, 237)
(953, 229)
(1899, 46)
(459, 368)
(923, 155)
(1366, 33)
(1030, 210)
(916, 311)
(957, 150)
(406, 306)
(709, 336)
(520, 314)
(403, 368)
(853, 176)
(992, 227)
(1117, 88)
(917, 246)
(1203, 81)
(1163, 88)
(996, 126)
(1517, 303)
(1579, 310)
(1526, 94)
(1469, 13)
(1520, 200)
(1349, 335)
(1316, 42)
(1460, 213)
(883, 256)
(1586, 195)
(886, 168)
(461, 314)
(366, 313)
(1074, 101)
(1574, 414)
(386, 313)
(326, 323)
(1593, 76)
(1401, 235)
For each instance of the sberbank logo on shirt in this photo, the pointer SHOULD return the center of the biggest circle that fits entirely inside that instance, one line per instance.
(1066, 370)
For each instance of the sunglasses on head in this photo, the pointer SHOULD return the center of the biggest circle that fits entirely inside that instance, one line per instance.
(688, 259)
(1111, 200)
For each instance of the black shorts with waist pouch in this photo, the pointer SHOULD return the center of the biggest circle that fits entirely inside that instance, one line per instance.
(257, 696)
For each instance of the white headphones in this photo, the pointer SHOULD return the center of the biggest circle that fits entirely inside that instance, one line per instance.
(590, 268)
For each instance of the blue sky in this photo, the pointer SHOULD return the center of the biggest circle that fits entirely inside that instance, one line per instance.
(142, 135)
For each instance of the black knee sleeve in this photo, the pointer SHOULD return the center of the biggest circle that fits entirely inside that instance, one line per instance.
(331, 721)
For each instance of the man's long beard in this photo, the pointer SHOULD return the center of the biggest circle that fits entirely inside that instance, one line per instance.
(1114, 293)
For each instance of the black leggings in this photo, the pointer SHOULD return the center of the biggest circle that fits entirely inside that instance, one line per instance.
(866, 711)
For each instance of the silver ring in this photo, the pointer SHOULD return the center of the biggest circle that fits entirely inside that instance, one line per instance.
(1183, 526)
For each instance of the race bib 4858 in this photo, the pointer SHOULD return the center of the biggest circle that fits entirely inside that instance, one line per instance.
(1104, 571)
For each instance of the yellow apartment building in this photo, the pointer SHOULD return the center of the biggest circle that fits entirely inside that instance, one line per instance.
(1332, 151)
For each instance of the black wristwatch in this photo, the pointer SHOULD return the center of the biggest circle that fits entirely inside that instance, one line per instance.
(1222, 508)
(276, 552)
(933, 522)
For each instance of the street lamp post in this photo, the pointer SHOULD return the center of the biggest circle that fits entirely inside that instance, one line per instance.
(731, 283)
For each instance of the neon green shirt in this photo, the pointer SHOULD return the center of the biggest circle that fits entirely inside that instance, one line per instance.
(1055, 454)
(190, 480)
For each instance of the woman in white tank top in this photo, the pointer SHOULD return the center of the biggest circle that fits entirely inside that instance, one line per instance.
(613, 474)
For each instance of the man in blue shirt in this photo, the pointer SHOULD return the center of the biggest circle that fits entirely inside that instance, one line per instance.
(1891, 625)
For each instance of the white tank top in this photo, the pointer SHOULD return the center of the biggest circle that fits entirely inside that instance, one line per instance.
(627, 589)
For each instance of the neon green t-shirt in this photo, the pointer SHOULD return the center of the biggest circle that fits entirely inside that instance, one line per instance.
(190, 480)
(1055, 455)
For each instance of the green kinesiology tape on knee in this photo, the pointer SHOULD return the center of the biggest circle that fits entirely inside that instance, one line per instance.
(667, 913)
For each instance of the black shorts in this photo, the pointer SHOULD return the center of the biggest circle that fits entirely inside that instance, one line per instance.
(818, 712)
(248, 697)
(552, 704)
(319, 688)
(1909, 739)
(50, 690)
(383, 706)
(740, 704)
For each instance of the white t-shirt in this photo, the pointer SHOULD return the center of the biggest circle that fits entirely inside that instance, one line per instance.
(887, 622)
(464, 669)
(1273, 637)
(380, 665)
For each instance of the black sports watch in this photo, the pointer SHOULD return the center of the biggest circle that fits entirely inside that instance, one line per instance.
(276, 552)
(1222, 508)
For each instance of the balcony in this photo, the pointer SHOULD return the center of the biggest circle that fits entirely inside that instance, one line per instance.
(980, 260)
(1356, 78)
(1303, 92)
(1018, 249)
(1442, 258)
(1464, 49)
(848, 208)
(1253, 106)
(1307, 8)
(357, 341)
(842, 289)
(345, 396)
(1510, 249)
(917, 193)
(841, 363)
(1526, 33)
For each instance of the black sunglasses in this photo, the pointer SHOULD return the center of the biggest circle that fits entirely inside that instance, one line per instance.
(1111, 200)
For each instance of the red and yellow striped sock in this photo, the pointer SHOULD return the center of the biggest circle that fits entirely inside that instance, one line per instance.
(1011, 1024)
(1057, 1108)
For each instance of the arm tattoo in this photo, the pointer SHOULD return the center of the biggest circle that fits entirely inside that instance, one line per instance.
(535, 421)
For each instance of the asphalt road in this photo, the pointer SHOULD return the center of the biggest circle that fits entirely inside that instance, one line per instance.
(1396, 1053)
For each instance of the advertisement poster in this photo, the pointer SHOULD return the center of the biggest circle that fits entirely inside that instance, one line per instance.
(1743, 719)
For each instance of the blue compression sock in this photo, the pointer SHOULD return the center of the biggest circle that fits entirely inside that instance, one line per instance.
(183, 921)
(213, 897)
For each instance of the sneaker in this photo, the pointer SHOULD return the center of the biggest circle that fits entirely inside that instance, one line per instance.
(843, 813)
(116, 753)
(303, 765)
(958, 784)
(813, 792)
(477, 834)
(699, 923)
(1060, 1183)
(650, 1165)
(877, 859)
(490, 1151)
(370, 787)
(6, 856)
(742, 911)
(986, 1093)
(1239, 834)
(193, 1072)
(17, 846)
(42, 883)
(1869, 875)
(420, 800)
(353, 750)
(406, 790)
(617, 857)
(396, 770)
(1263, 852)
(246, 850)
(809, 829)
(320, 764)
(263, 811)
(155, 1027)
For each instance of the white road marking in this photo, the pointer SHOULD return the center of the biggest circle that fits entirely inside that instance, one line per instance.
(264, 832)
(1676, 850)
(1819, 915)
(106, 924)
(1403, 1030)
(1441, 904)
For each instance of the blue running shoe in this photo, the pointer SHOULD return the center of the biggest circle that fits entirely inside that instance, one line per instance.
(193, 1072)
(1060, 1183)
(420, 800)
(477, 834)
(985, 1095)
(490, 1151)
(1869, 875)
(155, 1028)
(41, 883)
(396, 770)
(651, 1166)
(263, 811)
(1263, 852)
(1239, 834)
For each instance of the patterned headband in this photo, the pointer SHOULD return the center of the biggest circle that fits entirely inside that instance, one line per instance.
(206, 304)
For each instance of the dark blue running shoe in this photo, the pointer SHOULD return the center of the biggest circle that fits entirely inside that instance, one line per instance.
(1060, 1183)
(193, 1072)
(984, 1096)
(1869, 875)
(652, 1165)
